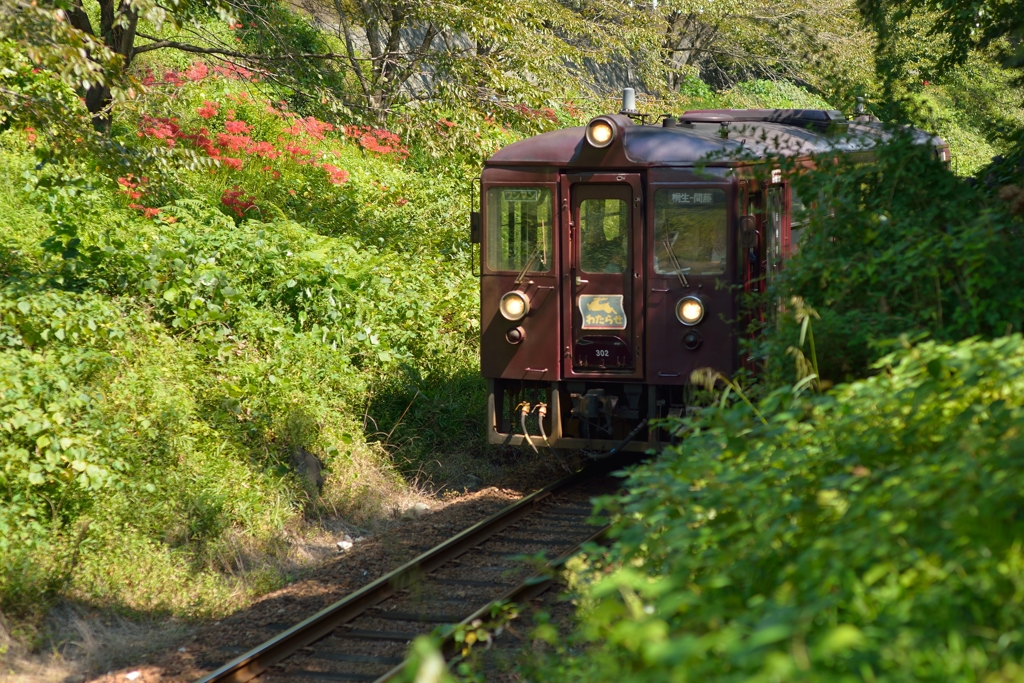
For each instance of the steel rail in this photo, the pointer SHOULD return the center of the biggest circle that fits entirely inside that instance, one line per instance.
(527, 590)
(254, 662)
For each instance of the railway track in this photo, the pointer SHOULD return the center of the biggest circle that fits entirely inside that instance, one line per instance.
(364, 636)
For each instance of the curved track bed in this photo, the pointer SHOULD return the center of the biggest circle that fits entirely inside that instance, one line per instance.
(364, 637)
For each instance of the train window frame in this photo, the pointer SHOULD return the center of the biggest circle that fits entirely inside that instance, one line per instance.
(723, 234)
(492, 240)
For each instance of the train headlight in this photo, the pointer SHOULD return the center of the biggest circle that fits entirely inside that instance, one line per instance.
(600, 133)
(514, 306)
(690, 310)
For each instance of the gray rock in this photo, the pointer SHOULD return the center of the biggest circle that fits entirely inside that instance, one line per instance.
(309, 468)
(416, 511)
(472, 483)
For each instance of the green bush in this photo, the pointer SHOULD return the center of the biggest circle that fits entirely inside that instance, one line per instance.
(869, 534)
(900, 245)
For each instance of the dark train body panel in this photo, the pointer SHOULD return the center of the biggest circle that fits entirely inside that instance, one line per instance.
(612, 269)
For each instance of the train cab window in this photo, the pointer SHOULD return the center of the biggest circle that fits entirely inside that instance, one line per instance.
(604, 235)
(519, 229)
(689, 231)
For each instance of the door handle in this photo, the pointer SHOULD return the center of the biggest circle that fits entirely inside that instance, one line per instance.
(581, 281)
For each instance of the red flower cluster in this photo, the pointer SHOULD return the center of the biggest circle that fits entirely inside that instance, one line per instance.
(129, 185)
(208, 110)
(311, 126)
(30, 135)
(238, 141)
(531, 113)
(202, 141)
(197, 72)
(234, 71)
(133, 188)
(336, 175)
(377, 140)
(238, 201)
(237, 127)
(263, 149)
(160, 128)
(235, 143)
(297, 151)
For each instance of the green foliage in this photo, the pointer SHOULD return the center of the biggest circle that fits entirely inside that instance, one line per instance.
(900, 245)
(171, 334)
(869, 534)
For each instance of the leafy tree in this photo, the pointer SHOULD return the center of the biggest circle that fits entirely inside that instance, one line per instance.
(59, 34)
(743, 39)
(471, 48)
(962, 25)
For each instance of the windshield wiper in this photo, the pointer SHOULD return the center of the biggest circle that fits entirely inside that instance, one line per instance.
(680, 271)
(542, 247)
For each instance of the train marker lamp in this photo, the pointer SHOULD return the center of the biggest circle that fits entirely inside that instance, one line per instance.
(514, 306)
(690, 310)
(600, 132)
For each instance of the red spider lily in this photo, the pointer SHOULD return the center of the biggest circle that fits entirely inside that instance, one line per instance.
(238, 201)
(377, 140)
(203, 142)
(401, 201)
(30, 135)
(197, 72)
(297, 151)
(160, 128)
(446, 122)
(240, 97)
(230, 114)
(232, 162)
(311, 126)
(336, 175)
(151, 213)
(149, 79)
(263, 149)
(129, 185)
(233, 71)
(173, 78)
(208, 110)
(237, 127)
(236, 143)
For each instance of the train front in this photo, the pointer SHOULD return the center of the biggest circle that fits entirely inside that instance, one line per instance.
(605, 272)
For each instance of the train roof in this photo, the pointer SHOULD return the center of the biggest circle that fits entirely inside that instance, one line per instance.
(697, 136)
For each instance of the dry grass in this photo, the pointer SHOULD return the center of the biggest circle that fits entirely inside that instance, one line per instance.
(78, 643)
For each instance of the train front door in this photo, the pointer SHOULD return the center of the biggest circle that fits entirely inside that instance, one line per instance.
(603, 276)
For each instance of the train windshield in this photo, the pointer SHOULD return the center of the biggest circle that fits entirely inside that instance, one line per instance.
(604, 235)
(519, 232)
(689, 231)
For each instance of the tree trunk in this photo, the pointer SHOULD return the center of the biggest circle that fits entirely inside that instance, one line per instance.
(117, 29)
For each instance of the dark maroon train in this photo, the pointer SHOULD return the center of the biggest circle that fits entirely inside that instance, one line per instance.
(612, 265)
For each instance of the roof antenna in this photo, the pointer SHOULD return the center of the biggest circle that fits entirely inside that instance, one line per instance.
(629, 102)
(629, 107)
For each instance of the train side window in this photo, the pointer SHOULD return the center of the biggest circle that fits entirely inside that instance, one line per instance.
(604, 235)
(689, 231)
(519, 229)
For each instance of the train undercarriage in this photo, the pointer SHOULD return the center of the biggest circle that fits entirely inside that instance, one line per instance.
(599, 416)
